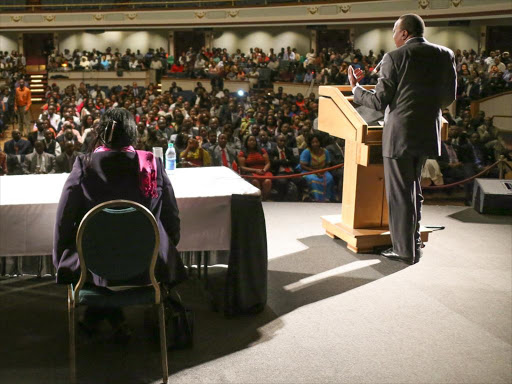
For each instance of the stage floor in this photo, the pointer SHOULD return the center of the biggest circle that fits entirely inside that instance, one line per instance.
(332, 316)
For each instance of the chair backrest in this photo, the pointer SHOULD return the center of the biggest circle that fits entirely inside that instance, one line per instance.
(118, 240)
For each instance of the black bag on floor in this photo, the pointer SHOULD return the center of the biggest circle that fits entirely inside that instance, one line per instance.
(179, 325)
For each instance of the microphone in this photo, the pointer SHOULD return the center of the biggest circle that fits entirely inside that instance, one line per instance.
(377, 68)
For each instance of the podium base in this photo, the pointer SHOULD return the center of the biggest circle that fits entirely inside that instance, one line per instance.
(361, 240)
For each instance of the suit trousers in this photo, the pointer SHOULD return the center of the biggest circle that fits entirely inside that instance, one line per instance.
(402, 177)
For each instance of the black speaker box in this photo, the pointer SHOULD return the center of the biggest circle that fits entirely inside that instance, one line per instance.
(493, 196)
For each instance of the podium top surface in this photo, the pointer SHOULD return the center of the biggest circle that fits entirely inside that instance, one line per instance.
(338, 117)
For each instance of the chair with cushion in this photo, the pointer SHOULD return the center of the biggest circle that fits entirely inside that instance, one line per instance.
(118, 241)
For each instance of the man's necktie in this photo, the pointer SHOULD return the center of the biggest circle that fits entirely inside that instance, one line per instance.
(283, 157)
(224, 158)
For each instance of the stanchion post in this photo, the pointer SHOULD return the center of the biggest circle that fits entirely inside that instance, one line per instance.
(501, 167)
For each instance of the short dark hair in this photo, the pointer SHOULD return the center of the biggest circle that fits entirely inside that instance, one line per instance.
(413, 24)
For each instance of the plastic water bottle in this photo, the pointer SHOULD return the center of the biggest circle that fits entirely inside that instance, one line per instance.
(170, 158)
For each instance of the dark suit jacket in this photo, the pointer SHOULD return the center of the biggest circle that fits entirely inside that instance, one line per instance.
(114, 175)
(416, 81)
(24, 147)
(337, 156)
(216, 155)
(276, 162)
(270, 146)
(62, 163)
(29, 165)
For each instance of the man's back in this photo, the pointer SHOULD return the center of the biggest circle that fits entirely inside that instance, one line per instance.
(425, 85)
(417, 81)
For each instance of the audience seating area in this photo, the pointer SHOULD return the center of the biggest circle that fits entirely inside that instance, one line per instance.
(211, 118)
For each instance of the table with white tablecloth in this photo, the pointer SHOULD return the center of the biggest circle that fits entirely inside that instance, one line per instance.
(218, 211)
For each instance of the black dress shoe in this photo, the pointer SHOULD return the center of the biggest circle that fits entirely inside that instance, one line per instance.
(392, 255)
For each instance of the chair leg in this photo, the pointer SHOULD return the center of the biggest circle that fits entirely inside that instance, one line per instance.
(199, 260)
(72, 350)
(163, 342)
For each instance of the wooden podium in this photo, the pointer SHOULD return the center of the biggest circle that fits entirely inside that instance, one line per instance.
(363, 223)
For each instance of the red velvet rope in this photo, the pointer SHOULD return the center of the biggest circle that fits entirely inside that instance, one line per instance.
(341, 165)
(465, 180)
(293, 174)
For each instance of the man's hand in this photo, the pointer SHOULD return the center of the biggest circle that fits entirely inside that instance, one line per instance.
(354, 75)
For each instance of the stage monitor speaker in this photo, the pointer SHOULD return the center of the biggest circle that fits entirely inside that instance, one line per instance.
(493, 196)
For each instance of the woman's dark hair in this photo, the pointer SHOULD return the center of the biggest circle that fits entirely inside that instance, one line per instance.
(117, 129)
(310, 138)
(246, 149)
(84, 123)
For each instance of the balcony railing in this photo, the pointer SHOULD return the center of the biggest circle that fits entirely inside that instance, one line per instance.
(7, 6)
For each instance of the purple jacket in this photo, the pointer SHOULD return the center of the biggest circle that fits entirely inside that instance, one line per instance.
(109, 176)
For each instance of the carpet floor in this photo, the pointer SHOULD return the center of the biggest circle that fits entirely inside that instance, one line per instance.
(332, 316)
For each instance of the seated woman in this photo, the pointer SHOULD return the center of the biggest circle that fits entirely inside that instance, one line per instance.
(111, 170)
(194, 155)
(311, 159)
(254, 160)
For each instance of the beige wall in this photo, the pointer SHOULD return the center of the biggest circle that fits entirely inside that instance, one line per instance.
(115, 39)
(381, 37)
(190, 84)
(263, 37)
(500, 105)
(8, 41)
(102, 78)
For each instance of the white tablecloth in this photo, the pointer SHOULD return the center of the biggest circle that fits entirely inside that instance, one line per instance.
(28, 206)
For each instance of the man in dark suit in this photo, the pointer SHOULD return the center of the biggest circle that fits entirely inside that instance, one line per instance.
(283, 162)
(222, 154)
(17, 146)
(16, 150)
(416, 81)
(64, 162)
(39, 162)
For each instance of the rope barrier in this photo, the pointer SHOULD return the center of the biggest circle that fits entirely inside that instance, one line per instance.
(463, 181)
(433, 187)
(293, 175)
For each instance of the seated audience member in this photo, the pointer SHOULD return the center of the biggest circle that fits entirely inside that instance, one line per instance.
(264, 141)
(155, 138)
(289, 136)
(221, 154)
(53, 118)
(113, 170)
(86, 125)
(254, 160)
(67, 134)
(431, 174)
(51, 145)
(302, 138)
(141, 135)
(455, 162)
(64, 162)
(336, 150)
(39, 162)
(3, 163)
(194, 156)
(17, 146)
(38, 134)
(312, 159)
(480, 153)
(283, 162)
(211, 142)
(233, 141)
